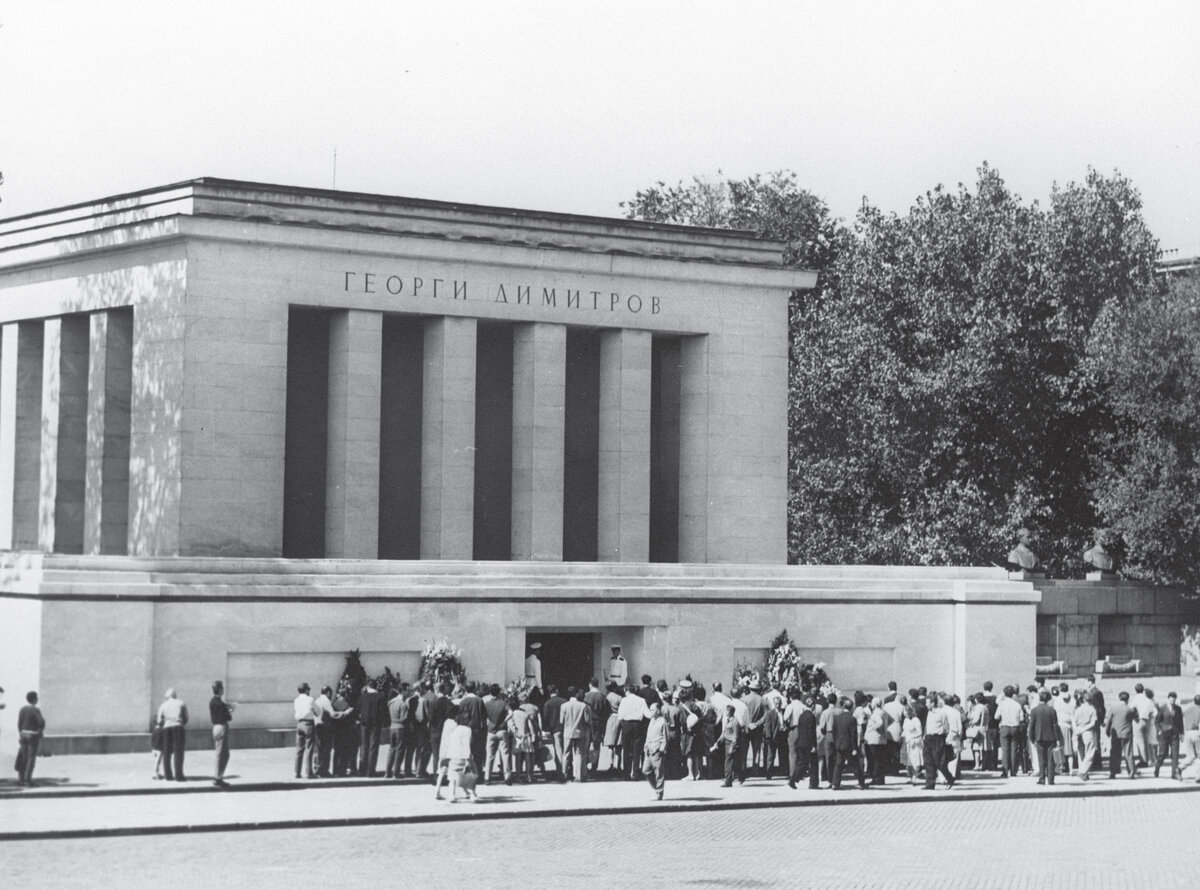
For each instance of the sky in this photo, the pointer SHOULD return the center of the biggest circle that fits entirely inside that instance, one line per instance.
(574, 106)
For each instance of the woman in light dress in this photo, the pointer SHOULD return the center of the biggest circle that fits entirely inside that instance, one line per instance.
(913, 735)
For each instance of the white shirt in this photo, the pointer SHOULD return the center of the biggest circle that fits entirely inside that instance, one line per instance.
(719, 700)
(633, 707)
(323, 708)
(303, 707)
(1009, 712)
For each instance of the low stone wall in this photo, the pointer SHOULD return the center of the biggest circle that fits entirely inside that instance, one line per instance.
(106, 636)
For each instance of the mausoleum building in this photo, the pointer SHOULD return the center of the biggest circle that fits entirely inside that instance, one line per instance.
(246, 428)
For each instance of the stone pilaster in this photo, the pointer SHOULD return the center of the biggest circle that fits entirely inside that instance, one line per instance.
(624, 497)
(448, 439)
(352, 483)
(64, 434)
(539, 406)
(20, 434)
(693, 450)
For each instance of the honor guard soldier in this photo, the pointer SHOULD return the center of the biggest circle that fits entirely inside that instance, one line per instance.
(618, 668)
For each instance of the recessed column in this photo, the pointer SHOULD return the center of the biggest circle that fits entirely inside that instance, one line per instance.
(693, 449)
(21, 352)
(64, 434)
(106, 473)
(539, 404)
(624, 479)
(448, 439)
(352, 483)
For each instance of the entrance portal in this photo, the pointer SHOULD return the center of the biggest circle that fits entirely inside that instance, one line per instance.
(568, 659)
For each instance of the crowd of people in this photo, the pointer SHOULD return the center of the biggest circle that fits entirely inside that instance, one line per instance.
(461, 735)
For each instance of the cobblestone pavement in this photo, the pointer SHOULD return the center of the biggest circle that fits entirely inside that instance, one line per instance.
(1130, 841)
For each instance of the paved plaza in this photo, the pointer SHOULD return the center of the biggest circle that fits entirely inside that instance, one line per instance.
(101, 821)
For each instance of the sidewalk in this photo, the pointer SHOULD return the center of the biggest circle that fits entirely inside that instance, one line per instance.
(99, 795)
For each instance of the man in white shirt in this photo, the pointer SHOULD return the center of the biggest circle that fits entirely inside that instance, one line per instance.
(718, 699)
(1010, 714)
(305, 712)
(632, 712)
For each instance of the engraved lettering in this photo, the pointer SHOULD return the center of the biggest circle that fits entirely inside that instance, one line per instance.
(501, 296)
(613, 301)
(654, 306)
(398, 284)
(549, 297)
(522, 294)
(436, 281)
(572, 299)
(595, 299)
(457, 290)
(418, 283)
(634, 306)
(348, 274)
(368, 282)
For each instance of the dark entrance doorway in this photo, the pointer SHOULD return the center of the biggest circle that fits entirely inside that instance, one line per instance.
(568, 659)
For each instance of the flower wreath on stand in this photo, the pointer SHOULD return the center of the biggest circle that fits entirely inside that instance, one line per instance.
(442, 662)
(786, 669)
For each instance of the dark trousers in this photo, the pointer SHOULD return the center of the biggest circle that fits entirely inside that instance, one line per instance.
(769, 751)
(1023, 749)
(716, 762)
(802, 762)
(783, 752)
(1046, 761)
(878, 759)
(416, 741)
(1168, 746)
(345, 746)
(632, 739)
(304, 749)
(479, 747)
(735, 767)
(838, 761)
(368, 763)
(1119, 746)
(322, 748)
(755, 739)
(935, 760)
(173, 744)
(1008, 750)
(396, 747)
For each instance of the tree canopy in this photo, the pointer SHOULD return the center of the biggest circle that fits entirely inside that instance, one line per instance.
(941, 390)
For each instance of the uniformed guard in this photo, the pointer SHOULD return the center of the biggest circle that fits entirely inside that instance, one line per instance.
(618, 668)
(533, 666)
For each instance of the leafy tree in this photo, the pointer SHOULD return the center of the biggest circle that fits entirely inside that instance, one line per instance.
(938, 394)
(1146, 353)
(772, 206)
(939, 399)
